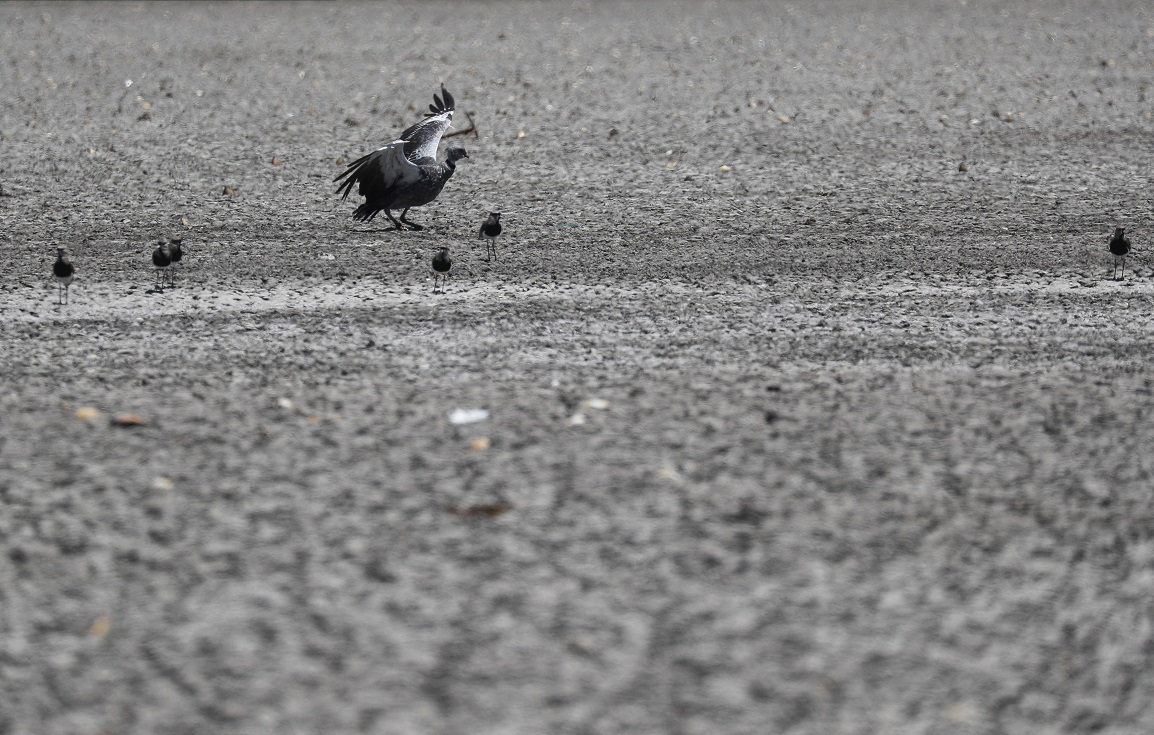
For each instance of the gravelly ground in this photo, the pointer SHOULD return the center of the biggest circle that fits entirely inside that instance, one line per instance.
(843, 439)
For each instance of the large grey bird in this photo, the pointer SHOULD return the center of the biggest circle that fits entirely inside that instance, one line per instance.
(63, 272)
(405, 173)
(1119, 247)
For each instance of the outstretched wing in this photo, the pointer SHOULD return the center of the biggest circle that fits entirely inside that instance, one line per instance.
(380, 171)
(421, 139)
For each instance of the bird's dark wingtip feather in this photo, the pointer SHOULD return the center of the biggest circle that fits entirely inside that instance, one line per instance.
(365, 212)
(441, 103)
(353, 173)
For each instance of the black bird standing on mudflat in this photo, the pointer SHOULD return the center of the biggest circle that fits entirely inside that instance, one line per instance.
(490, 228)
(162, 259)
(63, 272)
(176, 254)
(405, 173)
(441, 265)
(1119, 246)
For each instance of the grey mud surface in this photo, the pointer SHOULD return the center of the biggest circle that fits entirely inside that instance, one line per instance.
(794, 426)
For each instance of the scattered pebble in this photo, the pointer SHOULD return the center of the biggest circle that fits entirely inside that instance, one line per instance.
(481, 510)
(467, 415)
(129, 420)
(88, 413)
(100, 627)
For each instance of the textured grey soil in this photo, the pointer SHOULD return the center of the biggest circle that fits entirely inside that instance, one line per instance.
(795, 423)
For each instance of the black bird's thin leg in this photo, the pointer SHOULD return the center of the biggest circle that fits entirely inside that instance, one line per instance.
(1123, 268)
(393, 219)
(413, 225)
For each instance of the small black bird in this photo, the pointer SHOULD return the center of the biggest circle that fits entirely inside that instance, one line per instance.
(405, 173)
(63, 271)
(1119, 246)
(162, 259)
(177, 254)
(441, 265)
(490, 228)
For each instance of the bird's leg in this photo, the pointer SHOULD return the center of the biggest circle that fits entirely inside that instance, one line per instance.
(389, 214)
(413, 225)
(1123, 267)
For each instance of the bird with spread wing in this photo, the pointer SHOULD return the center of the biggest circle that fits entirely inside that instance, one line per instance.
(405, 173)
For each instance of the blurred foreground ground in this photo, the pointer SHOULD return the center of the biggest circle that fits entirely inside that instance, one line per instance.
(812, 407)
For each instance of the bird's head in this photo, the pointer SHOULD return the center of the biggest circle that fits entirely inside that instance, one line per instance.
(456, 154)
(442, 252)
(495, 216)
(60, 252)
(1119, 232)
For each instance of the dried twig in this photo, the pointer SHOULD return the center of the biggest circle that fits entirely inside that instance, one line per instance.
(465, 131)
